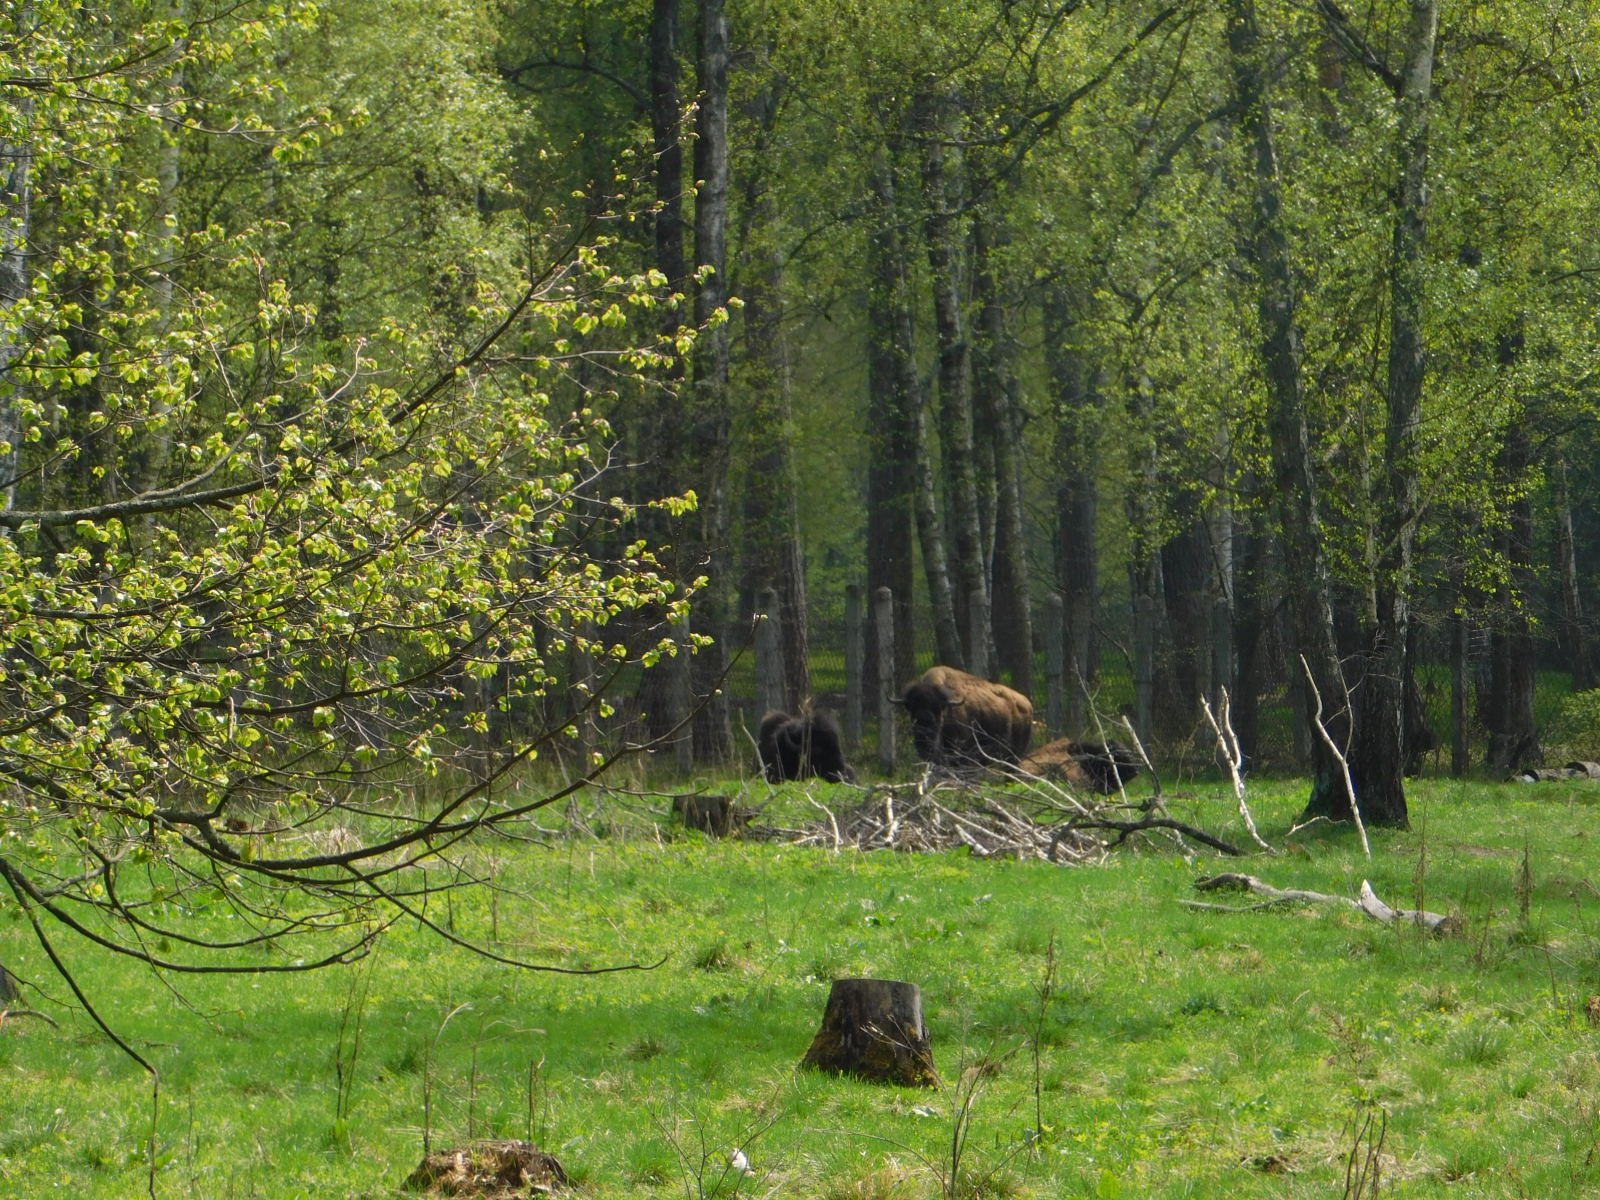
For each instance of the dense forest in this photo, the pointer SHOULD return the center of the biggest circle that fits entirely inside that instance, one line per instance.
(392, 391)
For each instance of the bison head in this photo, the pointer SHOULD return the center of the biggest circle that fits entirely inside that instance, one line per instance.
(926, 703)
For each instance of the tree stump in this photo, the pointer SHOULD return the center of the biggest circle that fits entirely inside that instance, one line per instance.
(492, 1170)
(717, 815)
(872, 1028)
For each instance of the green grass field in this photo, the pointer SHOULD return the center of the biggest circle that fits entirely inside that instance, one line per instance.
(1168, 1052)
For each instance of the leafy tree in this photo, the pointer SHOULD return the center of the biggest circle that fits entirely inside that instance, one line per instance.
(259, 577)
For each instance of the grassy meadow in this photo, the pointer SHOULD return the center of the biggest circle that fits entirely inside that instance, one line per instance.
(1096, 1036)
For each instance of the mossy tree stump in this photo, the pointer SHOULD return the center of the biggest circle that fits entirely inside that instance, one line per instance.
(872, 1028)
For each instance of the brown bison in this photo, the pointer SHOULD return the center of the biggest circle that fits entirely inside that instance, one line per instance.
(1097, 766)
(803, 746)
(958, 719)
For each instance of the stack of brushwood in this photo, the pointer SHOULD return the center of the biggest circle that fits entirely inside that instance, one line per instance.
(1036, 823)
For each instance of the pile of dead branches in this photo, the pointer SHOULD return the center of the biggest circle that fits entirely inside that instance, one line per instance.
(919, 819)
(947, 812)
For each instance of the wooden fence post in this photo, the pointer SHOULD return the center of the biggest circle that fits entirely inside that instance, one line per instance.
(1055, 667)
(769, 652)
(855, 647)
(883, 612)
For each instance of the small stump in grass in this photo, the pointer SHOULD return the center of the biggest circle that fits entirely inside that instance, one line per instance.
(717, 815)
(497, 1170)
(872, 1028)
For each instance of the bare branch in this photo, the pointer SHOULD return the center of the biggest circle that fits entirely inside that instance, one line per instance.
(1344, 763)
(1229, 745)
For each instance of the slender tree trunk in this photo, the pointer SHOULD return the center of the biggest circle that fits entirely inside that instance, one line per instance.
(1266, 248)
(1183, 675)
(1076, 404)
(151, 464)
(942, 194)
(16, 211)
(1460, 758)
(1251, 621)
(1222, 541)
(1000, 402)
(654, 449)
(770, 517)
(1146, 585)
(1509, 716)
(893, 405)
(666, 114)
(710, 418)
(935, 565)
(1574, 641)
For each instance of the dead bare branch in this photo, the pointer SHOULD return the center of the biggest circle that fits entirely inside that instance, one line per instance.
(1228, 743)
(1344, 763)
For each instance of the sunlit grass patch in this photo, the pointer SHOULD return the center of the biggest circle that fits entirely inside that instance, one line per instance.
(1140, 1047)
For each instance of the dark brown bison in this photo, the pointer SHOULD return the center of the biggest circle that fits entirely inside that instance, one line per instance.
(958, 719)
(1097, 766)
(803, 746)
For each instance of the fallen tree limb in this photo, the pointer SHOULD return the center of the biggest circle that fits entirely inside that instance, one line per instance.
(1124, 828)
(1439, 923)
(1366, 902)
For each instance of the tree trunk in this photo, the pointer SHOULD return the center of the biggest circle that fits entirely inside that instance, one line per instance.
(710, 419)
(1513, 735)
(942, 225)
(146, 462)
(1459, 756)
(665, 117)
(771, 516)
(1146, 585)
(1575, 643)
(935, 565)
(15, 211)
(1000, 402)
(1221, 540)
(1076, 404)
(1266, 248)
(1378, 751)
(1186, 592)
(873, 1029)
(1251, 621)
(893, 407)
(652, 448)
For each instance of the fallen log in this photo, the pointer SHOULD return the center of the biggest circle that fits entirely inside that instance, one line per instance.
(1366, 901)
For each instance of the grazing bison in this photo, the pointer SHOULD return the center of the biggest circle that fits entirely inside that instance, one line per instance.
(1099, 766)
(959, 719)
(803, 746)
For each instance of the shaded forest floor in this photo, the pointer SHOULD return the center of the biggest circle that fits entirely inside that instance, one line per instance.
(1102, 1038)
